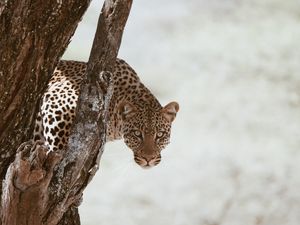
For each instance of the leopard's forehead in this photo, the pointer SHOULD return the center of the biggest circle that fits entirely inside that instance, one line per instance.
(149, 120)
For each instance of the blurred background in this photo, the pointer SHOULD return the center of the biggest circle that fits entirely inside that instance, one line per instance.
(234, 157)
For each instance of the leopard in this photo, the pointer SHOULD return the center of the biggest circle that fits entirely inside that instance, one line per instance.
(135, 115)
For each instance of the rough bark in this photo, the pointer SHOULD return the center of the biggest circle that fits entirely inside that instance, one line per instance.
(45, 188)
(34, 35)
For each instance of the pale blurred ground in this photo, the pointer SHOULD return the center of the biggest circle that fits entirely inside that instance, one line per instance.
(234, 158)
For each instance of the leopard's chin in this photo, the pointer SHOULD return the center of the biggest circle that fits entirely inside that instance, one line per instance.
(146, 167)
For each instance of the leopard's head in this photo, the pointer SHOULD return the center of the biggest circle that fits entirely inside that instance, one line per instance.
(146, 131)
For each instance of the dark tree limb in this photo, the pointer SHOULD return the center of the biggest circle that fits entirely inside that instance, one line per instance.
(45, 188)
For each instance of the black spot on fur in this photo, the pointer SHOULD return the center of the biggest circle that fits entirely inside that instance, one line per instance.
(56, 141)
(51, 121)
(61, 133)
(66, 117)
(53, 132)
(49, 140)
(61, 125)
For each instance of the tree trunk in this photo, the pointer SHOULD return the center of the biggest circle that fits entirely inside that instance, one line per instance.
(42, 188)
(34, 34)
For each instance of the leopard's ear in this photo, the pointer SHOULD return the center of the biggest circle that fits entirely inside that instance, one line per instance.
(170, 110)
(127, 110)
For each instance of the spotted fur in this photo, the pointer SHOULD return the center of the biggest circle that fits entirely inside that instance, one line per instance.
(135, 114)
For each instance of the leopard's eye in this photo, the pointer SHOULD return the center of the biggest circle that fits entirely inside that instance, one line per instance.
(137, 133)
(159, 134)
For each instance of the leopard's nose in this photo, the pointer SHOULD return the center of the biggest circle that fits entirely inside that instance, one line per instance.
(148, 158)
(151, 161)
(147, 161)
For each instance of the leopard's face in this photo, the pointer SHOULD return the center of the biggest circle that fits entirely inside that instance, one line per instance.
(147, 132)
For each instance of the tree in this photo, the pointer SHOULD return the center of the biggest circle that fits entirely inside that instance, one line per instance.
(42, 188)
